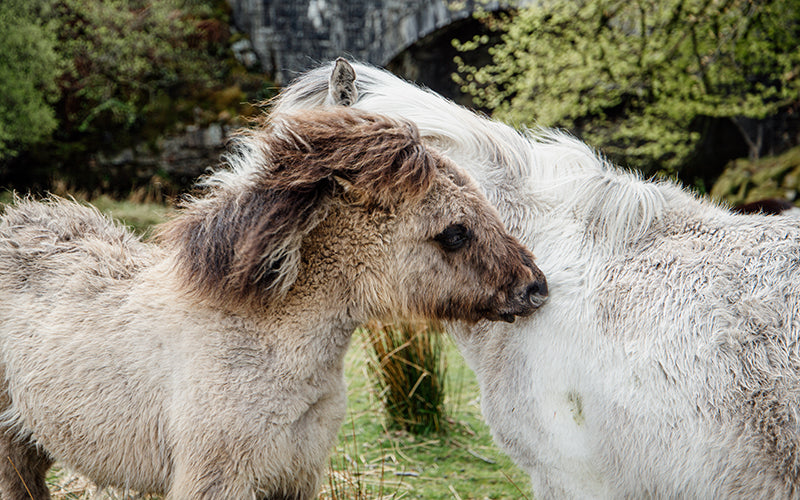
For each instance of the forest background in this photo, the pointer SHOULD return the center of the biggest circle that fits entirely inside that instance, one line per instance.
(676, 88)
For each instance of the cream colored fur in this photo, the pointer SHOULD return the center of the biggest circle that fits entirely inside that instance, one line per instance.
(118, 364)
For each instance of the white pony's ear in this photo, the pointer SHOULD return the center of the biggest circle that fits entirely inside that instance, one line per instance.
(342, 87)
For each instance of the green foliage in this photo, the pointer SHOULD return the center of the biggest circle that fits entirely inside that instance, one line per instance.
(115, 75)
(28, 69)
(408, 369)
(637, 78)
(130, 57)
(392, 463)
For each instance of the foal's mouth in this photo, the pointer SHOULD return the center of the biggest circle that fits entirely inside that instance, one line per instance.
(508, 317)
(511, 316)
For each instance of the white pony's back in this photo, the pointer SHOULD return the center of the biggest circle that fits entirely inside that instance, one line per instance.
(667, 360)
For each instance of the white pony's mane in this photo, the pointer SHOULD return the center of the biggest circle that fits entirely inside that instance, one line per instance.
(548, 169)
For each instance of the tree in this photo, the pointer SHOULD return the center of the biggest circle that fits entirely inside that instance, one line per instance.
(102, 75)
(127, 57)
(635, 77)
(28, 69)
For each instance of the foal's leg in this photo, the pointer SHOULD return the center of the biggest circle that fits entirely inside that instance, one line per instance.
(214, 481)
(201, 480)
(23, 469)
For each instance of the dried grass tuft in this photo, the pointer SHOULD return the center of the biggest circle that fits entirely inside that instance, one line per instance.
(407, 365)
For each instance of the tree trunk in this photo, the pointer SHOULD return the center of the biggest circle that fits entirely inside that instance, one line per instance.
(752, 131)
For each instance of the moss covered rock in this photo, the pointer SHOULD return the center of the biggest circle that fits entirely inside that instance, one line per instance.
(744, 181)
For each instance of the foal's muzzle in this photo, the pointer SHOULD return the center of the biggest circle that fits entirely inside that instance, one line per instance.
(526, 299)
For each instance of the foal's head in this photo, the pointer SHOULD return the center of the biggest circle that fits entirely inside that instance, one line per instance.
(355, 203)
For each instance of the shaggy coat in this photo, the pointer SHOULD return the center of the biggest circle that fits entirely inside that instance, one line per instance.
(209, 364)
(666, 362)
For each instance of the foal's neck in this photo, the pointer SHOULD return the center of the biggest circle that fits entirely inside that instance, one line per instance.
(320, 310)
(315, 316)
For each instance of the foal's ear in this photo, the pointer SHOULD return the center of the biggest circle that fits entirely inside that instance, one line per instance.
(350, 191)
(342, 87)
(345, 185)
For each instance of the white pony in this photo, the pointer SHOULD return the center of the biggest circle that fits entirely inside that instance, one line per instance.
(667, 360)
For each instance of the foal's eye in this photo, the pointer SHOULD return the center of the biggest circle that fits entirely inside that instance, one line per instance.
(454, 237)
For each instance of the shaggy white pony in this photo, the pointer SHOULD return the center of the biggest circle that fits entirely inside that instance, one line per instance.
(667, 361)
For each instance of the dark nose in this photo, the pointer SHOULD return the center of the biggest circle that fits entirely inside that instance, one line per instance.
(536, 293)
(528, 292)
(537, 288)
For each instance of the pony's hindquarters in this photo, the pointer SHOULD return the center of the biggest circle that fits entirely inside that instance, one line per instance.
(70, 367)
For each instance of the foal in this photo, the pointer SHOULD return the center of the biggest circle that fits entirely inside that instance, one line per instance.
(209, 364)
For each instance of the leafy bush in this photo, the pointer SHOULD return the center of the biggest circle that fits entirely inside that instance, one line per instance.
(28, 69)
(641, 79)
(123, 73)
(128, 59)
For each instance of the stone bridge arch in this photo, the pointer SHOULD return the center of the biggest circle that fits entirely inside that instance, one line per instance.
(290, 36)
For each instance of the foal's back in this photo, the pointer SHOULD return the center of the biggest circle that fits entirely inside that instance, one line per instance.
(58, 243)
(66, 272)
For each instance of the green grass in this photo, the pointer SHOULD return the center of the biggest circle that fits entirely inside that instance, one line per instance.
(408, 369)
(371, 460)
(138, 216)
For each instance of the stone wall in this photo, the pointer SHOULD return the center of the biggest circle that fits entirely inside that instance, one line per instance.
(169, 166)
(290, 37)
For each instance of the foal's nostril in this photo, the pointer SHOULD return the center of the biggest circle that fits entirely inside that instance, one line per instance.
(537, 289)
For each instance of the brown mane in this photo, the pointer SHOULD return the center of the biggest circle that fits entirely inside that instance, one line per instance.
(241, 240)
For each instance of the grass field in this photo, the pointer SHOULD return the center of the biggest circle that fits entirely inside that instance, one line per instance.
(370, 460)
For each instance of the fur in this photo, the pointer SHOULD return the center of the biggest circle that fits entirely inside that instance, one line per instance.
(209, 364)
(666, 362)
